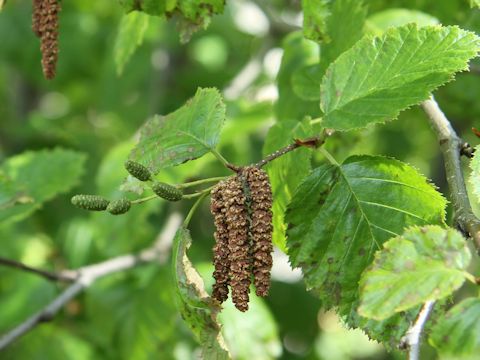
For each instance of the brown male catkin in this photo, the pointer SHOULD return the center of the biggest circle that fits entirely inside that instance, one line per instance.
(236, 217)
(37, 16)
(261, 227)
(241, 207)
(221, 262)
(45, 25)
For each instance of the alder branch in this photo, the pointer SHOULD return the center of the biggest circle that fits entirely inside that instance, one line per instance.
(411, 340)
(67, 275)
(87, 275)
(450, 146)
(313, 142)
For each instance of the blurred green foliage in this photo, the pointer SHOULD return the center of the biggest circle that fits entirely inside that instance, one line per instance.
(104, 91)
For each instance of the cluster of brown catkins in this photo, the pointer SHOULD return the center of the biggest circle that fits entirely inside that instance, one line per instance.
(241, 206)
(45, 26)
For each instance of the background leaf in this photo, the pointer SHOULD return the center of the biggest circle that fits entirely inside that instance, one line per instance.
(33, 177)
(287, 172)
(426, 263)
(383, 20)
(474, 3)
(457, 333)
(381, 76)
(315, 15)
(196, 307)
(192, 15)
(249, 335)
(130, 36)
(344, 26)
(186, 134)
(297, 53)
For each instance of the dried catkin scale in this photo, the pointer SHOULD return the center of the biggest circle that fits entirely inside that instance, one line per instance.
(37, 16)
(137, 170)
(261, 227)
(118, 207)
(167, 191)
(90, 202)
(221, 261)
(45, 25)
(236, 217)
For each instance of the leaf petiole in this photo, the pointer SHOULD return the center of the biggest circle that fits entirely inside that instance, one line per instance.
(329, 156)
(145, 199)
(199, 182)
(194, 208)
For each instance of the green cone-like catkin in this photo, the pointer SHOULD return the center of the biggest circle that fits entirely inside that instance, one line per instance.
(118, 207)
(90, 202)
(167, 191)
(137, 170)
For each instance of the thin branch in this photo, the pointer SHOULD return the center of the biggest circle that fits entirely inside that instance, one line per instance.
(87, 275)
(313, 142)
(411, 340)
(67, 276)
(277, 154)
(450, 145)
(199, 182)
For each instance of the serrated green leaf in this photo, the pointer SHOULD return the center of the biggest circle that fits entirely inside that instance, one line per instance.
(196, 307)
(383, 20)
(423, 264)
(344, 25)
(381, 76)
(341, 214)
(186, 134)
(285, 172)
(34, 177)
(457, 334)
(130, 36)
(389, 331)
(315, 15)
(475, 174)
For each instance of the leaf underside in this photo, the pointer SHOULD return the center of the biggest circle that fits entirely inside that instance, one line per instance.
(425, 263)
(458, 332)
(196, 307)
